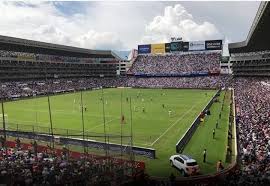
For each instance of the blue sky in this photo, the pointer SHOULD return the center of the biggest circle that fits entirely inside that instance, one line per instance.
(124, 25)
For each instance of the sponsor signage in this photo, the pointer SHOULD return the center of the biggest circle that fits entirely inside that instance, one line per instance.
(167, 47)
(173, 39)
(144, 49)
(176, 46)
(213, 45)
(196, 45)
(185, 46)
(158, 48)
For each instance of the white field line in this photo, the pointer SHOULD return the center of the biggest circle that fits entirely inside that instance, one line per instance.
(179, 119)
(100, 125)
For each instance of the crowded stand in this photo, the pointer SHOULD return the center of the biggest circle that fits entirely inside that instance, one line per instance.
(252, 109)
(176, 64)
(34, 74)
(47, 166)
(203, 82)
(13, 89)
(252, 97)
(17, 89)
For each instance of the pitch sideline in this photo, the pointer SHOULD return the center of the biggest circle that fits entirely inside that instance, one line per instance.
(179, 119)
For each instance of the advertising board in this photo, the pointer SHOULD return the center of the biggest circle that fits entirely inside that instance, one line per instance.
(213, 45)
(167, 47)
(158, 48)
(144, 49)
(196, 45)
(185, 46)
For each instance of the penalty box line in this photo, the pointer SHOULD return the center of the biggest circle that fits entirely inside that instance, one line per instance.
(179, 119)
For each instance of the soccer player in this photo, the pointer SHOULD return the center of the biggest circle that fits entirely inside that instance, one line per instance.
(163, 106)
(204, 156)
(170, 113)
(151, 99)
(143, 109)
(127, 99)
(85, 108)
(214, 132)
(217, 124)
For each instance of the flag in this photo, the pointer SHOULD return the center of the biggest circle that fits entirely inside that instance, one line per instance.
(123, 119)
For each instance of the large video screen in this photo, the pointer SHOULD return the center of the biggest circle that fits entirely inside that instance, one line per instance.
(176, 46)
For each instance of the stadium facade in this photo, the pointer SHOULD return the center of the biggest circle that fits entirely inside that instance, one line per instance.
(252, 56)
(165, 65)
(27, 59)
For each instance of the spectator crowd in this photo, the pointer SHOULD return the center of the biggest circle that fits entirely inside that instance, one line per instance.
(17, 89)
(176, 64)
(252, 97)
(35, 167)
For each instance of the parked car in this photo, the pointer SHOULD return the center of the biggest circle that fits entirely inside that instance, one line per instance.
(185, 164)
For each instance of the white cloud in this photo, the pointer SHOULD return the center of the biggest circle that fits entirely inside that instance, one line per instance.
(44, 22)
(177, 22)
(123, 25)
(99, 40)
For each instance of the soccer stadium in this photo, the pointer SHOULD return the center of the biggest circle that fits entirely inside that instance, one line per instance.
(178, 112)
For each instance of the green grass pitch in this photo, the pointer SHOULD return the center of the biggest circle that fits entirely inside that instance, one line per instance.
(154, 128)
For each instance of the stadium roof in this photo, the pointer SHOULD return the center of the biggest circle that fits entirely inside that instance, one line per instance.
(258, 37)
(18, 44)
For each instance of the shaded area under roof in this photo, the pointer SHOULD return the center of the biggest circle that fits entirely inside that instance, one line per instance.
(25, 45)
(258, 37)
